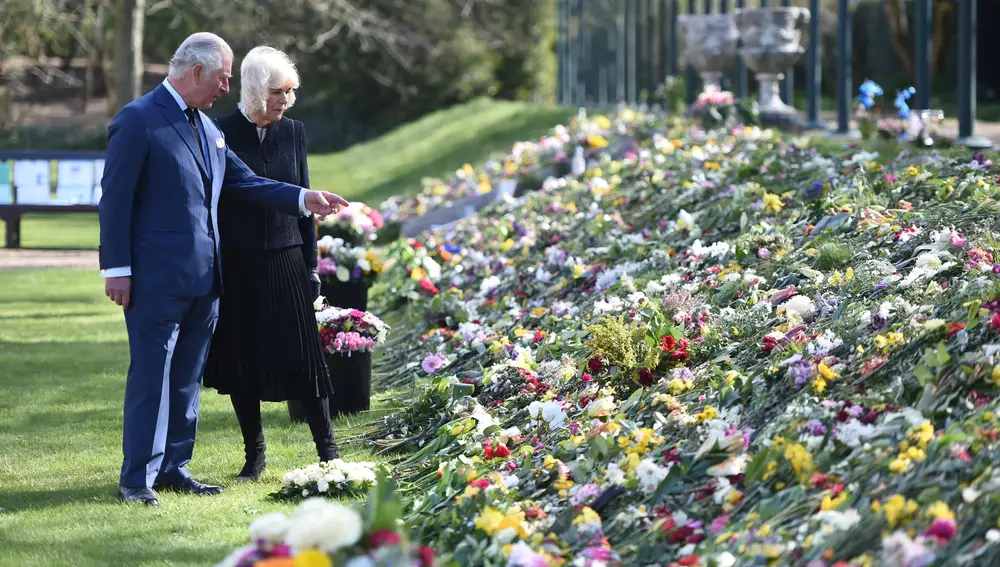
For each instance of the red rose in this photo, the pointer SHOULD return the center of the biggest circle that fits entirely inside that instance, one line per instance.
(688, 560)
(429, 287)
(595, 364)
(382, 538)
(586, 377)
(667, 343)
(646, 377)
(426, 556)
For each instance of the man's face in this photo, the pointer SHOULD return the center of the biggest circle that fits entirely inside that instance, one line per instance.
(210, 86)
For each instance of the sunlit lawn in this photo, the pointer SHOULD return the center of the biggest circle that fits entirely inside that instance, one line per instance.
(63, 359)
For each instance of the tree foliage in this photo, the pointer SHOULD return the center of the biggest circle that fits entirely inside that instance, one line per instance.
(366, 65)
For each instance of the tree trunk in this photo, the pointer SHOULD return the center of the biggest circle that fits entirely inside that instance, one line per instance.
(899, 32)
(944, 27)
(128, 51)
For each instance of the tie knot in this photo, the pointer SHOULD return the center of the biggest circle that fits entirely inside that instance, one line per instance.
(190, 115)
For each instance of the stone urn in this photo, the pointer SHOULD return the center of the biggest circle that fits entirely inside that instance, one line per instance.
(710, 42)
(771, 43)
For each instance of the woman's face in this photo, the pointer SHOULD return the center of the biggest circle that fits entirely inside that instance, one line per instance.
(278, 99)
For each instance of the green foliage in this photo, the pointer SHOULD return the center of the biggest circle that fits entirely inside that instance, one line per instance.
(625, 345)
(833, 255)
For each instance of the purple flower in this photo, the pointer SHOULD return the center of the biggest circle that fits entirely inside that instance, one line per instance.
(815, 427)
(356, 272)
(801, 371)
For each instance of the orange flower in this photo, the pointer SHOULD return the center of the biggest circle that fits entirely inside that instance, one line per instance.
(275, 562)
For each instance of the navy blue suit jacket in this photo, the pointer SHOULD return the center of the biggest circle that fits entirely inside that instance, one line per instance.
(160, 197)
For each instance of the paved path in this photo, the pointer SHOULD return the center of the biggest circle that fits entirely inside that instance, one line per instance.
(948, 127)
(18, 259)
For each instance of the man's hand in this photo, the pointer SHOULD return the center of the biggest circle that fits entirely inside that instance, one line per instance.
(323, 203)
(119, 290)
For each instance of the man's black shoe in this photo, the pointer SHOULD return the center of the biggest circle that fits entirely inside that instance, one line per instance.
(141, 494)
(191, 486)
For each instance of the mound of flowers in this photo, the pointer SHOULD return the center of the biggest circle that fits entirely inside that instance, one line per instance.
(721, 348)
(529, 162)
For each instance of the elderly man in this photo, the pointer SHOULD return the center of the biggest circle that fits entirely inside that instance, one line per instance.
(165, 166)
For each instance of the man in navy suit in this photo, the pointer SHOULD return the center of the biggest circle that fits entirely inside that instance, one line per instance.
(165, 166)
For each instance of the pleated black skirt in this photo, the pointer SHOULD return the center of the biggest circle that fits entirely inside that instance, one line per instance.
(266, 343)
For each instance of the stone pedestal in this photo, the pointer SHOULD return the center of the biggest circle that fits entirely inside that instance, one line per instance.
(710, 42)
(771, 45)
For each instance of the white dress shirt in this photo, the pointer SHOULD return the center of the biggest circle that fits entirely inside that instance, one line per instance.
(127, 270)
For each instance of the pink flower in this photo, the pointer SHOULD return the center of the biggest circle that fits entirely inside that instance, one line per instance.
(942, 530)
(719, 523)
(957, 240)
(433, 363)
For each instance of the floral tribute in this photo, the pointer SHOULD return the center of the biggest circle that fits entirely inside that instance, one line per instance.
(358, 220)
(714, 347)
(330, 478)
(528, 161)
(321, 533)
(347, 263)
(346, 331)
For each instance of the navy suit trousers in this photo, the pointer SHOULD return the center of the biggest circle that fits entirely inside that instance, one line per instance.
(168, 342)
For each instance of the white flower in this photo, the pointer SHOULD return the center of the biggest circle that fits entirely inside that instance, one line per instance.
(725, 559)
(601, 406)
(684, 220)
(614, 474)
(650, 475)
(270, 527)
(343, 274)
(360, 561)
(322, 485)
(609, 306)
(799, 305)
(853, 432)
(489, 284)
(550, 412)
(326, 526)
(521, 555)
(233, 559)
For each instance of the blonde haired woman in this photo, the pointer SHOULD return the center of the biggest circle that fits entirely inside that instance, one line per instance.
(266, 344)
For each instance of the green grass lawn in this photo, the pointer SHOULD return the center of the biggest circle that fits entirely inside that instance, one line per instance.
(63, 359)
(394, 164)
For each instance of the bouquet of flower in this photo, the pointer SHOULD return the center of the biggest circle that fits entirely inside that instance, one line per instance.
(347, 263)
(357, 221)
(331, 478)
(320, 533)
(350, 330)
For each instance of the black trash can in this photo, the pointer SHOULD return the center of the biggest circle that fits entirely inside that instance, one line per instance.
(346, 295)
(352, 382)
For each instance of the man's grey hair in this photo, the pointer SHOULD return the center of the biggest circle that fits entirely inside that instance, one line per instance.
(265, 68)
(201, 48)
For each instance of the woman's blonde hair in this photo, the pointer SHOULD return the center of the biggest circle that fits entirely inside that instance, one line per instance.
(263, 69)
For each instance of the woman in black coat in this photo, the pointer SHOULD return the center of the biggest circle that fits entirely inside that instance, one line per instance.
(266, 344)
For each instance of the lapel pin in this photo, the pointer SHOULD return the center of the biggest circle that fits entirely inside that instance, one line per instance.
(220, 143)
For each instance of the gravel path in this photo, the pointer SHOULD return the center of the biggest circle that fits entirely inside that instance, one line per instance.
(21, 259)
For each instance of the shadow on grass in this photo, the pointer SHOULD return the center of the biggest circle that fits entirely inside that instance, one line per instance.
(41, 316)
(18, 501)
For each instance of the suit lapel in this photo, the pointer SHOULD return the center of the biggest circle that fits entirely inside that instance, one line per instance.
(175, 116)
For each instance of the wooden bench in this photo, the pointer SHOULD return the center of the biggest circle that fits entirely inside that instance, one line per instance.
(13, 211)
